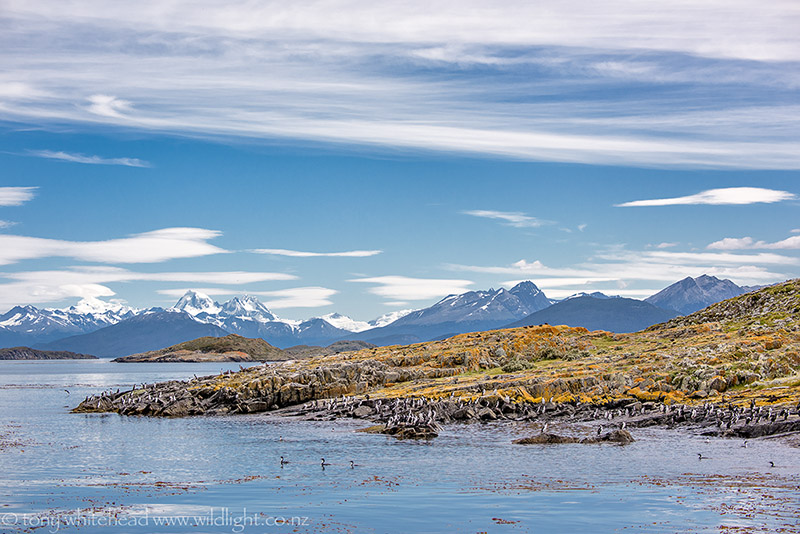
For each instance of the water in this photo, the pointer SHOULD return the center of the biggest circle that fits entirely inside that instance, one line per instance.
(103, 472)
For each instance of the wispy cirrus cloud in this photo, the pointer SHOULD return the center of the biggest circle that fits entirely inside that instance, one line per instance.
(303, 254)
(16, 196)
(6, 224)
(149, 247)
(400, 289)
(717, 197)
(306, 71)
(510, 218)
(90, 160)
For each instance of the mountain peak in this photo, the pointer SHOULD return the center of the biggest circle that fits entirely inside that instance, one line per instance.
(693, 294)
(195, 303)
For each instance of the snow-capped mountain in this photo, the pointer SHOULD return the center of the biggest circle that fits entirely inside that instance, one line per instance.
(692, 294)
(456, 314)
(344, 322)
(495, 305)
(28, 323)
(248, 306)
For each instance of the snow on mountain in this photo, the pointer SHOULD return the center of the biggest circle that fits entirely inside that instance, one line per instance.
(195, 303)
(248, 306)
(50, 323)
(346, 323)
(692, 294)
(388, 318)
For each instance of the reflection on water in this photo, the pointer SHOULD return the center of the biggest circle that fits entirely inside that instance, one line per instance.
(223, 474)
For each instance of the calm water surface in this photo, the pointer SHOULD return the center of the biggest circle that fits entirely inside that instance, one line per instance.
(90, 473)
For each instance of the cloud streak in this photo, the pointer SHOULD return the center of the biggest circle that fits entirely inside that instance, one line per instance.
(149, 247)
(718, 197)
(16, 196)
(301, 254)
(510, 218)
(90, 160)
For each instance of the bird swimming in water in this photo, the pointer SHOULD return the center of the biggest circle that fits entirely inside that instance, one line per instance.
(744, 445)
(283, 462)
(67, 391)
(701, 457)
(771, 464)
(323, 463)
(353, 464)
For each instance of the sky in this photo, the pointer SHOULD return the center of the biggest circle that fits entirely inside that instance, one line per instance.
(365, 157)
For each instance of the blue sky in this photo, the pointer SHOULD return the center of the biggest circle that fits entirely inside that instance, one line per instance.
(345, 156)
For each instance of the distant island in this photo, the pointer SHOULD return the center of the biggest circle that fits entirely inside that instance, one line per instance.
(230, 348)
(27, 353)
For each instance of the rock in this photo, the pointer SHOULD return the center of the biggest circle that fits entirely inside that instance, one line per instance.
(545, 439)
(623, 437)
(363, 411)
(464, 414)
(486, 414)
(718, 383)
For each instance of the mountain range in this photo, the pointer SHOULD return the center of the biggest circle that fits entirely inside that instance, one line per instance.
(108, 329)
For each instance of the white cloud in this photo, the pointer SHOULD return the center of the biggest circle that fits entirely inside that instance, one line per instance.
(743, 243)
(298, 297)
(404, 288)
(666, 245)
(150, 247)
(728, 195)
(732, 243)
(91, 160)
(6, 224)
(300, 254)
(108, 106)
(511, 218)
(795, 231)
(16, 196)
(582, 227)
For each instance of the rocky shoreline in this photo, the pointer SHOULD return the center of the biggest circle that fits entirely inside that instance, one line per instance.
(422, 418)
(732, 369)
